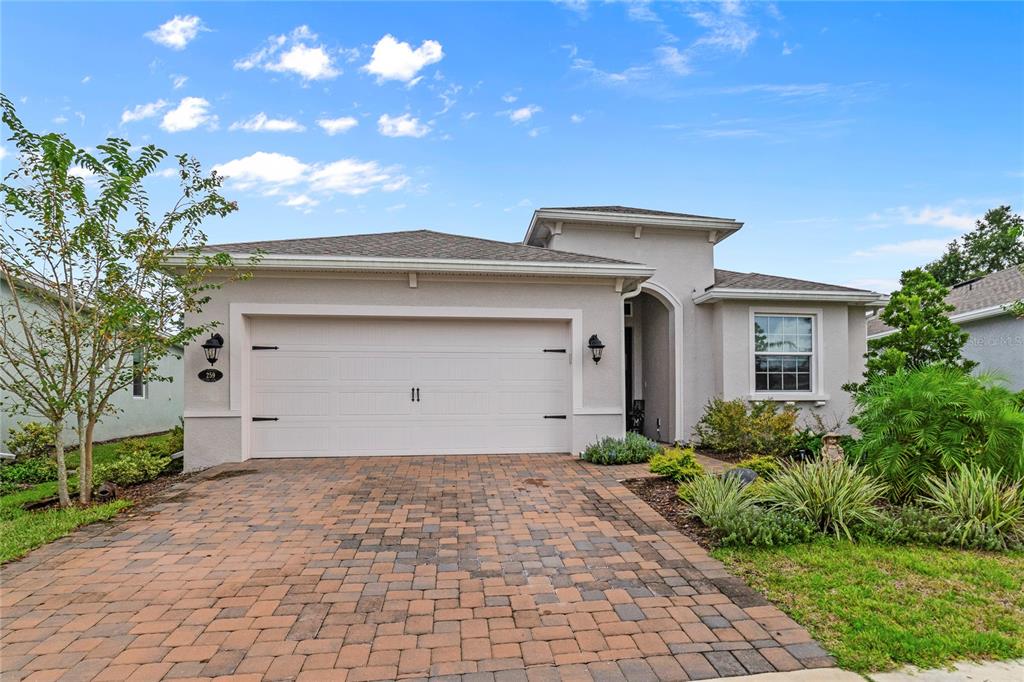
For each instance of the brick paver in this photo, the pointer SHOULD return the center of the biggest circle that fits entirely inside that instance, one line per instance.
(504, 567)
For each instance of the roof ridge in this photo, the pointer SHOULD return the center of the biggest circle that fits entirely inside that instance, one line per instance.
(326, 236)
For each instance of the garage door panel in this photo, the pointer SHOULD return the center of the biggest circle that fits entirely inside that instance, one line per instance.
(344, 387)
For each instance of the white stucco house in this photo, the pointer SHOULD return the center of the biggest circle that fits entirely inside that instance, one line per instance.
(422, 342)
(139, 409)
(996, 340)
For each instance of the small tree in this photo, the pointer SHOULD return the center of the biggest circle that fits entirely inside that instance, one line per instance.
(102, 265)
(923, 332)
(996, 243)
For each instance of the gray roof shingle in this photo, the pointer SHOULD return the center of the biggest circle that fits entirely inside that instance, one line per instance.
(999, 288)
(628, 210)
(425, 244)
(730, 279)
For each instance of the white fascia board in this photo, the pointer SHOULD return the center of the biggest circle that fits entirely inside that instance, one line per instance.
(865, 298)
(429, 265)
(725, 226)
(969, 316)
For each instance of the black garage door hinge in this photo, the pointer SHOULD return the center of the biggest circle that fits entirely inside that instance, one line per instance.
(264, 419)
(554, 416)
(264, 347)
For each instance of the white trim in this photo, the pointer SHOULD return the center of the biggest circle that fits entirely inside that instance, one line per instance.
(807, 295)
(434, 265)
(969, 316)
(818, 361)
(677, 343)
(211, 414)
(726, 225)
(239, 340)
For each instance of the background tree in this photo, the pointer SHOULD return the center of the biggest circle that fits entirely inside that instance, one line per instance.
(106, 261)
(923, 333)
(996, 243)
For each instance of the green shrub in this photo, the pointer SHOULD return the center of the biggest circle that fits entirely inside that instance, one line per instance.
(907, 525)
(175, 440)
(633, 449)
(716, 500)
(837, 497)
(28, 471)
(730, 426)
(32, 439)
(926, 422)
(135, 462)
(757, 527)
(978, 508)
(765, 466)
(723, 427)
(678, 464)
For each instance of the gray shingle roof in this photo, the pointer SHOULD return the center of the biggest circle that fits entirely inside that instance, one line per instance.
(729, 279)
(999, 288)
(627, 209)
(425, 244)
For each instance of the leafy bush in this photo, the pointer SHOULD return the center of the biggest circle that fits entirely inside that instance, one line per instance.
(977, 507)
(716, 500)
(837, 497)
(633, 449)
(757, 527)
(765, 466)
(677, 464)
(175, 440)
(135, 462)
(911, 524)
(928, 421)
(32, 439)
(28, 471)
(723, 427)
(730, 426)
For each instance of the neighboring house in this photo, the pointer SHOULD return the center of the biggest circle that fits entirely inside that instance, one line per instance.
(997, 337)
(142, 408)
(428, 343)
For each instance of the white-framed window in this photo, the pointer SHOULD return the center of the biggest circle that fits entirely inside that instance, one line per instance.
(784, 352)
(627, 308)
(139, 387)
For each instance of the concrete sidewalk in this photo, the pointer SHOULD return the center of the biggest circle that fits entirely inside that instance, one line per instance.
(992, 671)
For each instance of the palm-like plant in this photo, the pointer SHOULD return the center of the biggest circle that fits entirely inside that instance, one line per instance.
(928, 421)
(977, 507)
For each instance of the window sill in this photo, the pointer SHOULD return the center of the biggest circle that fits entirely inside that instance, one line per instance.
(790, 397)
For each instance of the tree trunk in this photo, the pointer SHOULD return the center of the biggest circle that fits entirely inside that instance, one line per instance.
(62, 467)
(85, 481)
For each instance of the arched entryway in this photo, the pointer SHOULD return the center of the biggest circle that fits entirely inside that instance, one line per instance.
(652, 369)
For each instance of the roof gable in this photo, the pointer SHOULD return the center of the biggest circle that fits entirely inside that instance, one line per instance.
(730, 279)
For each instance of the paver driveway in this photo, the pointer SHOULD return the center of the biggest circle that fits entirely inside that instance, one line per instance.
(502, 567)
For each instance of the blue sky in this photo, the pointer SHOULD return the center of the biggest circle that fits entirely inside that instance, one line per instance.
(852, 139)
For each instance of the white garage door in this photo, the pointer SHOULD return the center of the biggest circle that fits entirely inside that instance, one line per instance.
(371, 386)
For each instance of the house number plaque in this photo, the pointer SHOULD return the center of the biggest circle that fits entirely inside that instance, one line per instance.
(210, 375)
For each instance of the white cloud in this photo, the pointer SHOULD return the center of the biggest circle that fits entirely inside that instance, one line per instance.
(672, 60)
(727, 27)
(576, 118)
(263, 168)
(396, 207)
(272, 173)
(303, 202)
(261, 123)
(509, 98)
(787, 50)
(190, 113)
(396, 60)
(401, 126)
(355, 177)
(334, 126)
(86, 79)
(919, 248)
(940, 216)
(536, 132)
(295, 53)
(79, 172)
(142, 111)
(522, 114)
(166, 173)
(178, 82)
(178, 32)
(3, 153)
(60, 118)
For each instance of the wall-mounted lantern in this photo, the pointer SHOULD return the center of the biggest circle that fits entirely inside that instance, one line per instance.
(596, 346)
(212, 347)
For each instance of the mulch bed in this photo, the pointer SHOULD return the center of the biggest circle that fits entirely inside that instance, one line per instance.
(140, 494)
(660, 494)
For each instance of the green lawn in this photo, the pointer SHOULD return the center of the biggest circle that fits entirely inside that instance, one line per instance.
(879, 607)
(21, 531)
